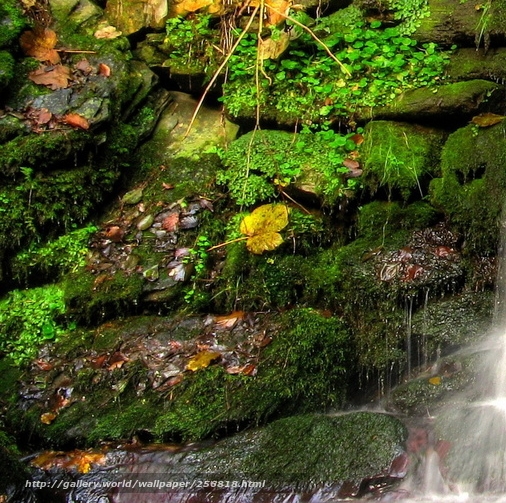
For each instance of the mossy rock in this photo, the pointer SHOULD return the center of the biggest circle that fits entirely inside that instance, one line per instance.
(306, 452)
(12, 22)
(6, 69)
(260, 162)
(400, 157)
(305, 368)
(472, 189)
(449, 102)
(467, 64)
(456, 22)
(449, 325)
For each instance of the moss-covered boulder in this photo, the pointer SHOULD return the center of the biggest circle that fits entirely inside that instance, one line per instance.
(472, 174)
(449, 102)
(463, 23)
(306, 456)
(400, 157)
(158, 378)
(470, 63)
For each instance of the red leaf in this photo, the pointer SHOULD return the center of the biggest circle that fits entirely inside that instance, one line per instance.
(413, 271)
(44, 365)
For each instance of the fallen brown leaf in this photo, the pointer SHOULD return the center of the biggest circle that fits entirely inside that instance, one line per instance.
(54, 77)
(40, 45)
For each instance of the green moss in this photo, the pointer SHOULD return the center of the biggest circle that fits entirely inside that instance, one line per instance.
(358, 444)
(472, 164)
(381, 220)
(12, 22)
(304, 369)
(91, 299)
(257, 164)
(400, 157)
(6, 69)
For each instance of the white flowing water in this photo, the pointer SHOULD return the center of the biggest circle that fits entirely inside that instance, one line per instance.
(474, 424)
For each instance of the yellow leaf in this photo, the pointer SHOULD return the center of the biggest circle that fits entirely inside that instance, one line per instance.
(487, 119)
(48, 417)
(267, 241)
(202, 360)
(262, 227)
(266, 218)
(436, 381)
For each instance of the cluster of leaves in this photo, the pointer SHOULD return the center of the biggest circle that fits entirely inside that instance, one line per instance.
(190, 41)
(64, 254)
(409, 12)
(306, 83)
(29, 318)
(259, 164)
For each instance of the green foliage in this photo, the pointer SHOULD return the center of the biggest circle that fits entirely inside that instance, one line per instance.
(28, 318)
(64, 254)
(198, 256)
(409, 12)
(261, 162)
(190, 41)
(304, 83)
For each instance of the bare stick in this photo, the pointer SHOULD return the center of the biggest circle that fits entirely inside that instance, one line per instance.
(218, 71)
(311, 32)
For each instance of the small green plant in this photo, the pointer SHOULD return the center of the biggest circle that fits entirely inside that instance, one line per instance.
(190, 41)
(260, 164)
(306, 84)
(198, 256)
(410, 13)
(28, 318)
(64, 254)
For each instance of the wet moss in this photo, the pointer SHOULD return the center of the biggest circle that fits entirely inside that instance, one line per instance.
(304, 369)
(91, 299)
(359, 445)
(12, 22)
(400, 157)
(6, 69)
(472, 168)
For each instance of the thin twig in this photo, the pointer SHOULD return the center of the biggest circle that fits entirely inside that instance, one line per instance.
(242, 238)
(218, 71)
(312, 33)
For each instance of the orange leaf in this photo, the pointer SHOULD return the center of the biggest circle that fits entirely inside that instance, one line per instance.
(104, 70)
(117, 360)
(40, 45)
(56, 77)
(248, 370)
(228, 322)
(76, 120)
(436, 381)
(487, 119)
(358, 139)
